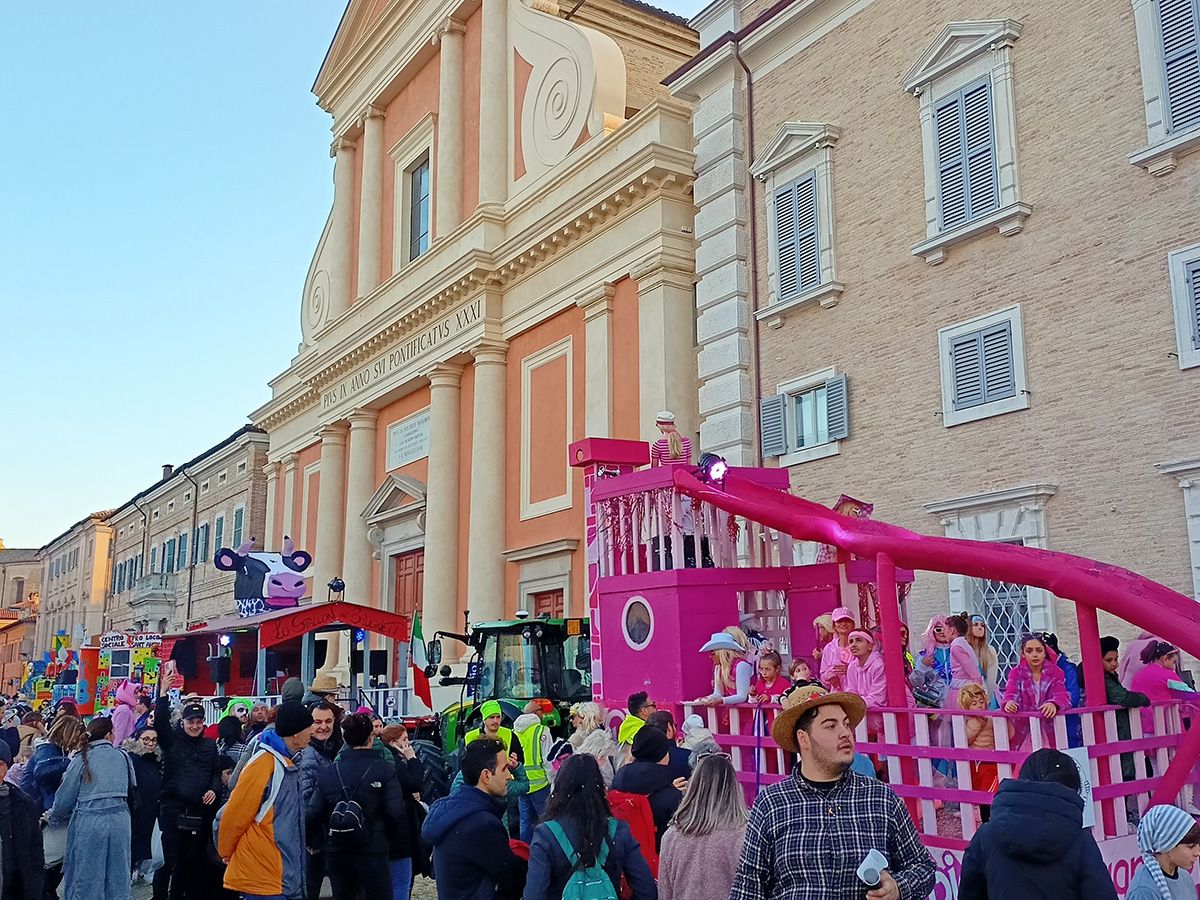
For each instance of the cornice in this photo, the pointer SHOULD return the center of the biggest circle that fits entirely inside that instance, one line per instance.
(1034, 495)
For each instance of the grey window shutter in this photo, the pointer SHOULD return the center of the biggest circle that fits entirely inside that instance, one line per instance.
(1179, 21)
(966, 368)
(1193, 297)
(786, 263)
(808, 252)
(837, 418)
(965, 146)
(999, 371)
(772, 423)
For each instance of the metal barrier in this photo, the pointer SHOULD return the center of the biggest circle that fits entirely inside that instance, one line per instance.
(388, 703)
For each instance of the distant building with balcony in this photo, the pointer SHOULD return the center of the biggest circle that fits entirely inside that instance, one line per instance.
(20, 576)
(162, 577)
(75, 567)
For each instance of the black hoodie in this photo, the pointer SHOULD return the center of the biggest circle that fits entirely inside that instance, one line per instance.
(472, 859)
(1035, 848)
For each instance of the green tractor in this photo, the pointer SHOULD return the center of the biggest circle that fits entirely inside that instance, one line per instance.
(512, 662)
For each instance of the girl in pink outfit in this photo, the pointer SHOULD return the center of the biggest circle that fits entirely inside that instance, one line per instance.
(964, 664)
(123, 716)
(769, 684)
(1157, 678)
(1036, 685)
(1131, 661)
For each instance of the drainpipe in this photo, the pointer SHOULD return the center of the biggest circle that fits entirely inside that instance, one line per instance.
(753, 215)
(192, 557)
(145, 532)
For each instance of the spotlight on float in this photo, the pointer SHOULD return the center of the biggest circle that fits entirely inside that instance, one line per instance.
(336, 586)
(225, 640)
(713, 468)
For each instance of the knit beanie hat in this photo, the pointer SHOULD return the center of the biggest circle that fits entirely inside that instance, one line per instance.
(490, 708)
(293, 718)
(650, 745)
(1160, 830)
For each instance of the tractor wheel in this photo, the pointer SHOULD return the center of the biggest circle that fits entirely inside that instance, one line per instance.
(437, 773)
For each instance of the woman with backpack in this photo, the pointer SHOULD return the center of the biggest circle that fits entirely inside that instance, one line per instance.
(359, 808)
(96, 794)
(580, 852)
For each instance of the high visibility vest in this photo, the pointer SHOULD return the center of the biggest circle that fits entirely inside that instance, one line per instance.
(504, 736)
(531, 747)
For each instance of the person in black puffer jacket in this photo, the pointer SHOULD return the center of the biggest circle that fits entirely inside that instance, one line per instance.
(1035, 846)
(360, 774)
(191, 779)
(147, 768)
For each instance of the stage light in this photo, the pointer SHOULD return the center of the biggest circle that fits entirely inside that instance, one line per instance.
(225, 640)
(713, 468)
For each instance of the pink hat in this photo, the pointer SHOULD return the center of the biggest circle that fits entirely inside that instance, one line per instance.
(842, 613)
(365, 711)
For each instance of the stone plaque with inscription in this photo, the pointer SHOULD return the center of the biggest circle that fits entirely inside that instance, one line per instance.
(408, 440)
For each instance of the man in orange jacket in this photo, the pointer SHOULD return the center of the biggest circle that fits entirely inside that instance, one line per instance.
(261, 836)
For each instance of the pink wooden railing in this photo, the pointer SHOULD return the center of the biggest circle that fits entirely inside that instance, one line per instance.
(913, 739)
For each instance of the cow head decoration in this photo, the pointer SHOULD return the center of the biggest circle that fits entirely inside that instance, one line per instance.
(265, 581)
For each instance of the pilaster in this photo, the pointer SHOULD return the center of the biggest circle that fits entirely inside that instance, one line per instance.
(597, 306)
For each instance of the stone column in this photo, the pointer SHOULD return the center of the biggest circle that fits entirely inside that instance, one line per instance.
(485, 565)
(289, 498)
(449, 128)
(271, 470)
(666, 356)
(341, 229)
(370, 210)
(493, 108)
(360, 485)
(327, 555)
(597, 307)
(440, 600)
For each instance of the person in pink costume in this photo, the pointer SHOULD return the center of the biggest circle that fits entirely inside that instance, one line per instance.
(1131, 661)
(964, 664)
(1036, 685)
(124, 718)
(836, 655)
(1157, 678)
(865, 674)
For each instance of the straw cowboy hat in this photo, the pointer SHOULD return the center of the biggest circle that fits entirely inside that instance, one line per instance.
(803, 697)
(722, 641)
(325, 684)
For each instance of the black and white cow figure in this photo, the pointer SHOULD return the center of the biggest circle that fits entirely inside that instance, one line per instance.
(265, 581)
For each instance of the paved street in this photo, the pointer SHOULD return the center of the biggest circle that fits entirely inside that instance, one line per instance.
(423, 890)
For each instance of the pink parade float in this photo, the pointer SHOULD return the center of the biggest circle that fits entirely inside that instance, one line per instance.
(674, 558)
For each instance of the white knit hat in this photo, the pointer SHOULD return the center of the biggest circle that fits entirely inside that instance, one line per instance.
(1161, 830)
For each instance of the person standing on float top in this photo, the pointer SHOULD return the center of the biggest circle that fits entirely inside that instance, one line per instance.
(808, 833)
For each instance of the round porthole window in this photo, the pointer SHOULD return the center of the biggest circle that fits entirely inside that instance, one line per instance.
(637, 623)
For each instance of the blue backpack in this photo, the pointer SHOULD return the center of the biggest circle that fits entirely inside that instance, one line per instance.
(591, 882)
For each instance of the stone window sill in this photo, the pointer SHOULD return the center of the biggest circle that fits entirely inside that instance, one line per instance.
(825, 294)
(1162, 158)
(1007, 220)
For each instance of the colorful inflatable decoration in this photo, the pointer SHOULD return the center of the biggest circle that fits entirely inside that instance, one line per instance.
(265, 581)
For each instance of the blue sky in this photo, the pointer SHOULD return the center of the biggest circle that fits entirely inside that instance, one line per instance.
(164, 178)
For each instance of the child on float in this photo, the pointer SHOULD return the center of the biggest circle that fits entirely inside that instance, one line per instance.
(1036, 685)
(1169, 840)
(769, 683)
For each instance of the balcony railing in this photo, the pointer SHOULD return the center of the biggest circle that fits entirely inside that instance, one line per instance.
(155, 586)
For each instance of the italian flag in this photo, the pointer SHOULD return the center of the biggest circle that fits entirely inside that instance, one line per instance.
(416, 656)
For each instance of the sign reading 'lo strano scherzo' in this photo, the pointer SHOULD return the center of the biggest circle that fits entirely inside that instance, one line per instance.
(398, 357)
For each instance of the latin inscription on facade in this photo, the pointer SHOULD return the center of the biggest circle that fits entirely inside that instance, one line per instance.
(408, 440)
(424, 342)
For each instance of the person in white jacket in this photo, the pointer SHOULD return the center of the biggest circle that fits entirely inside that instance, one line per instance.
(535, 740)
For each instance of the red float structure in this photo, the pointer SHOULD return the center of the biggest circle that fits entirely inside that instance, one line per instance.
(673, 558)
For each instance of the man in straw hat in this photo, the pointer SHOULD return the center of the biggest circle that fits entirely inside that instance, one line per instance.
(809, 833)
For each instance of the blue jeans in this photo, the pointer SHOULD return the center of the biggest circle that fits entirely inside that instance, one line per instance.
(532, 806)
(402, 878)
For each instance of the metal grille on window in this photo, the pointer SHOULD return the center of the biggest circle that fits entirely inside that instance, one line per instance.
(1005, 608)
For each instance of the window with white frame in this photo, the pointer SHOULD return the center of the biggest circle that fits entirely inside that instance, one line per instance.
(796, 168)
(968, 130)
(1168, 38)
(412, 159)
(983, 367)
(1185, 294)
(806, 419)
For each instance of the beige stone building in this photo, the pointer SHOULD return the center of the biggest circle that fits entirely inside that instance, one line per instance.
(949, 260)
(20, 577)
(164, 538)
(75, 567)
(507, 267)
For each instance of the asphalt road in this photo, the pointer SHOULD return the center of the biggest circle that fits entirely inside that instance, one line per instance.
(424, 889)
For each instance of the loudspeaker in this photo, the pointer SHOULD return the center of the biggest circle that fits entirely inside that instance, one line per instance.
(218, 669)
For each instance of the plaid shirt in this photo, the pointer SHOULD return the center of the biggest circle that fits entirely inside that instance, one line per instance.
(806, 844)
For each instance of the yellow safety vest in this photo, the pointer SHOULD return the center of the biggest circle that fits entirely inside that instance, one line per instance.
(504, 736)
(531, 746)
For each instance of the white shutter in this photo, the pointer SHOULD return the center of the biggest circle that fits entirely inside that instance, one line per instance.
(772, 423)
(836, 410)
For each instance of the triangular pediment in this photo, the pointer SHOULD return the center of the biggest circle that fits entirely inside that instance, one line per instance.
(357, 22)
(398, 493)
(792, 140)
(957, 43)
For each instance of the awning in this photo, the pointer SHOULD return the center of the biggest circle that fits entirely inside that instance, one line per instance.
(285, 624)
